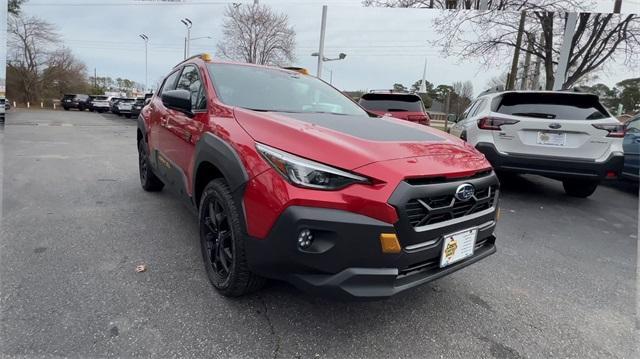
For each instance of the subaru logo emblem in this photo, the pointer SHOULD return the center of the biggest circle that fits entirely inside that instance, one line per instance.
(555, 125)
(464, 192)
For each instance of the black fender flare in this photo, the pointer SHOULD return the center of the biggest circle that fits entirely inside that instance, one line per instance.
(211, 148)
(142, 127)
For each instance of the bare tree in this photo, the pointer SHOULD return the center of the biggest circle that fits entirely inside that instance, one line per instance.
(512, 5)
(14, 6)
(64, 74)
(256, 34)
(28, 41)
(598, 37)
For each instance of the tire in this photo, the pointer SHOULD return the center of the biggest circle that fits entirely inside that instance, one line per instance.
(66, 108)
(579, 188)
(127, 115)
(148, 180)
(222, 243)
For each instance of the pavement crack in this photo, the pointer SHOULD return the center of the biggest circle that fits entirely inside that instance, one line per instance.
(272, 329)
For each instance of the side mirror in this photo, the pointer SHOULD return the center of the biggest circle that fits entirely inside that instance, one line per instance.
(179, 100)
(452, 118)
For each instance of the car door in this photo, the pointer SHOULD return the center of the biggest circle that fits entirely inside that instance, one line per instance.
(157, 137)
(184, 129)
(631, 146)
(458, 127)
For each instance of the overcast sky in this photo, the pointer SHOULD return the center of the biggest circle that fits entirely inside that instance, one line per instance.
(383, 46)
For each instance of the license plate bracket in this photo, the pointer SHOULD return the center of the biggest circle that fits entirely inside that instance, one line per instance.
(458, 246)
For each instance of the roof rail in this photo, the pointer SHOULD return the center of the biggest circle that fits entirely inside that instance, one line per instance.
(204, 56)
(499, 88)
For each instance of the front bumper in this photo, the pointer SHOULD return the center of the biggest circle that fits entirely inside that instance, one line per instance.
(554, 167)
(346, 260)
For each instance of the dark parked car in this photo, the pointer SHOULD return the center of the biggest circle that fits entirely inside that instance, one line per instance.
(137, 107)
(631, 146)
(79, 101)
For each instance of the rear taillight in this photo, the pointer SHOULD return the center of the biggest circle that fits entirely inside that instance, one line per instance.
(615, 130)
(492, 123)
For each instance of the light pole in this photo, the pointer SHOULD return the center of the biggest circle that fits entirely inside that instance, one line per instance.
(322, 59)
(187, 44)
(145, 38)
(323, 27)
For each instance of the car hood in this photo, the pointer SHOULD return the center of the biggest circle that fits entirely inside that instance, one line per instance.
(349, 142)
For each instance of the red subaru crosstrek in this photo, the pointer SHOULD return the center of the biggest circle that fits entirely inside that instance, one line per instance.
(294, 181)
(404, 106)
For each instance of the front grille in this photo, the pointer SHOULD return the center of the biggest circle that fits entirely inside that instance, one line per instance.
(431, 210)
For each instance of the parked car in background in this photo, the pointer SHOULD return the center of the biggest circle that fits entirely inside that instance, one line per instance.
(631, 145)
(125, 107)
(568, 136)
(7, 104)
(405, 106)
(78, 101)
(113, 105)
(100, 104)
(292, 180)
(3, 108)
(137, 106)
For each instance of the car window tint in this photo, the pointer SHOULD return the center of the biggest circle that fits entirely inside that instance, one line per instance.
(466, 113)
(278, 90)
(391, 102)
(478, 108)
(170, 82)
(562, 106)
(634, 126)
(190, 81)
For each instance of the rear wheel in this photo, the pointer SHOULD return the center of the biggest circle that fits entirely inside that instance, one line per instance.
(127, 115)
(148, 179)
(222, 243)
(579, 188)
(66, 108)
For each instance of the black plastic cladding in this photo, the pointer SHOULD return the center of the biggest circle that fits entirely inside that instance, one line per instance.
(406, 192)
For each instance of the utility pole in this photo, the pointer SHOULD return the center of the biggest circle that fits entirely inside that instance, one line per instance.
(323, 27)
(187, 22)
(423, 84)
(536, 74)
(95, 78)
(561, 70)
(516, 54)
(617, 6)
(527, 62)
(146, 60)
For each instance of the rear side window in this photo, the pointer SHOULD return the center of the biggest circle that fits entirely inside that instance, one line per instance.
(561, 106)
(391, 102)
(170, 83)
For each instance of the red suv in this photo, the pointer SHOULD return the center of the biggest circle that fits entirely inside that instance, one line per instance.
(292, 180)
(405, 106)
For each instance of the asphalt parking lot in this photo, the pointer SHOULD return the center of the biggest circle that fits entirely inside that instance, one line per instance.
(76, 223)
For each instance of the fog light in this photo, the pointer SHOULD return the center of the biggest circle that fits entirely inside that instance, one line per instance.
(305, 239)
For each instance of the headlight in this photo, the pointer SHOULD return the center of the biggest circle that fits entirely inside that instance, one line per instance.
(305, 173)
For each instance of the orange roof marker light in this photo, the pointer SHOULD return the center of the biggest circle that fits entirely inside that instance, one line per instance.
(206, 57)
(301, 70)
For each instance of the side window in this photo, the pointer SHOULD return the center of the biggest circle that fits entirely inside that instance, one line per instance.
(469, 110)
(634, 126)
(170, 83)
(479, 107)
(190, 81)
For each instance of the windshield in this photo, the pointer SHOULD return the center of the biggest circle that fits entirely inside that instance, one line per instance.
(560, 106)
(269, 89)
(391, 102)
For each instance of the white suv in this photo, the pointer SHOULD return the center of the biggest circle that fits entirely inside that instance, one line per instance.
(567, 136)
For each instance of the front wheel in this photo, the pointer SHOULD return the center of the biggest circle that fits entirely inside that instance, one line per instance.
(148, 179)
(579, 188)
(222, 243)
